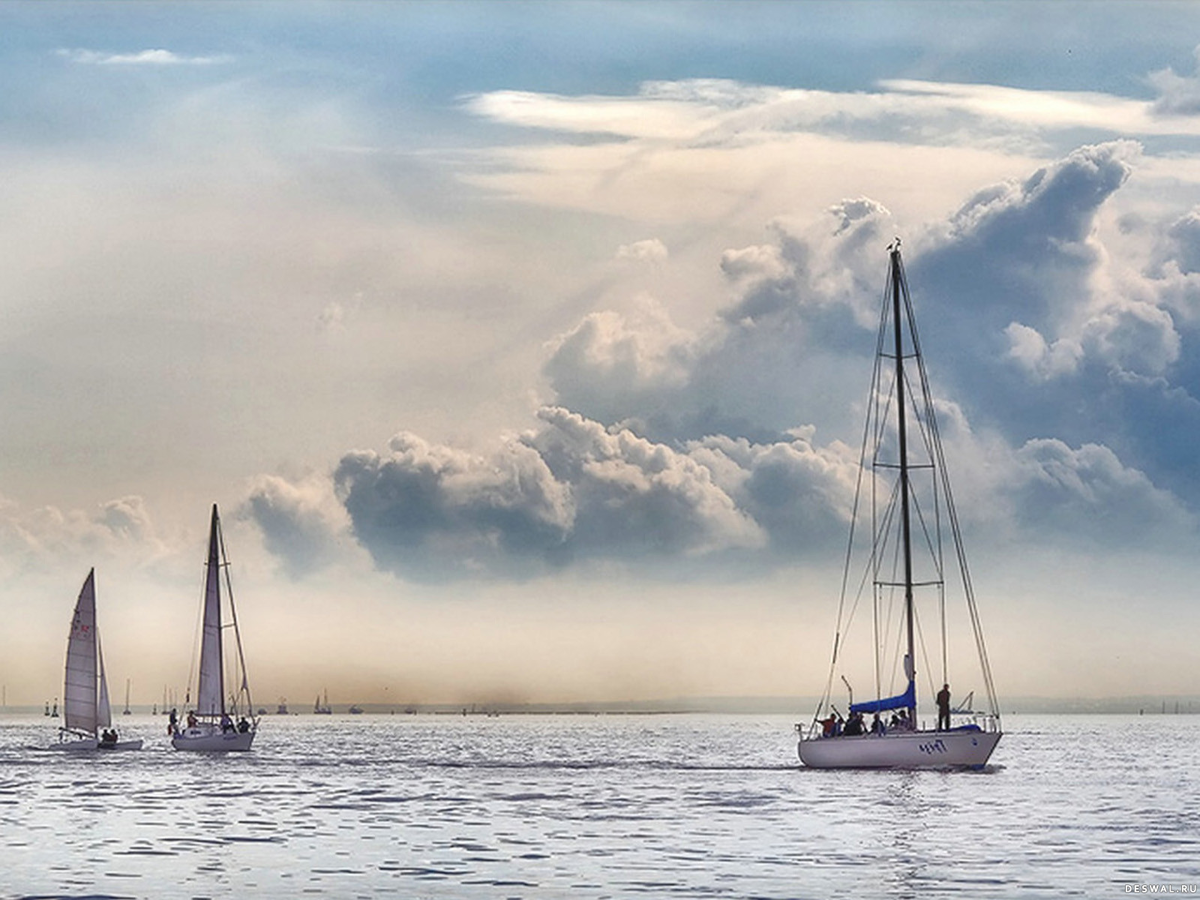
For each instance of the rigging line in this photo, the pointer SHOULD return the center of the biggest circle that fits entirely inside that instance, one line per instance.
(931, 545)
(244, 686)
(952, 516)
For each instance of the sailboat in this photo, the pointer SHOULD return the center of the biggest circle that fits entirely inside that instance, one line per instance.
(218, 722)
(897, 574)
(87, 715)
(320, 709)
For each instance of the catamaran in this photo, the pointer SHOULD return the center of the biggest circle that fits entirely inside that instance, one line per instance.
(87, 715)
(900, 562)
(218, 722)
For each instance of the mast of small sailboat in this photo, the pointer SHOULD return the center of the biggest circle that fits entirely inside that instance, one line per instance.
(902, 435)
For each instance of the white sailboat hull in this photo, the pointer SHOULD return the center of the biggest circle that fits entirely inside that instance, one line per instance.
(901, 750)
(212, 739)
(121, 745)
(85, 744)
(74, 745)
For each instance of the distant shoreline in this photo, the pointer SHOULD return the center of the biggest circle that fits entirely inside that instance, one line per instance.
(801, 707)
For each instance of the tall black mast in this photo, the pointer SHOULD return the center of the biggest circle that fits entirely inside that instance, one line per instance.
(902, 429)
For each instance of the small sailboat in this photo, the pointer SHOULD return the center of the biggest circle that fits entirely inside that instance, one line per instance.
(904, 497)
(218, 722)
(87, 715)
(126, 711)
(320, 709)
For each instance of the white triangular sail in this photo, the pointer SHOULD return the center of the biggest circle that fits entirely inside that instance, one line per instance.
(79, 690)
(210, 692)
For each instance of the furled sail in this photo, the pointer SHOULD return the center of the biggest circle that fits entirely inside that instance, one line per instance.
(907, 700)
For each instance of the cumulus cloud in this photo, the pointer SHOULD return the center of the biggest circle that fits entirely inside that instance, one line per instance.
(798, 492)
(302, 521)
(1087, 494)
(571, 490)
(429, 510)
(1054, 367)
(1042, 360)
(1017, 264)
(650, 250)
(833, 263)
(34, 539)
(1184, 234)
(1178, 95)
(612, 365)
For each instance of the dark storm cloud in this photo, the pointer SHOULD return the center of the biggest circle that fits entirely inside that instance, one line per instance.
(297, 521)
(431, 510)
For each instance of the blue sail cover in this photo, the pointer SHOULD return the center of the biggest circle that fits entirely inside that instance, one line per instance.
(907, 700)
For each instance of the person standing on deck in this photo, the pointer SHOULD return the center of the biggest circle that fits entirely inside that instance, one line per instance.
(943, 705)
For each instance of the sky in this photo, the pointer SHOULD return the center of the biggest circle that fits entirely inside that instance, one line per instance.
(524, 345)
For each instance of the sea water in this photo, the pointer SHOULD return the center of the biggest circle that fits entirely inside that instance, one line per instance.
(583, 806)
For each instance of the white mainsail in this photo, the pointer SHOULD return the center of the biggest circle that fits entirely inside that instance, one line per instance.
(80, 712)
(210, 692)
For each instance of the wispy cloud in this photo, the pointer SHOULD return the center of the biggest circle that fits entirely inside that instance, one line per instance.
(916, 111)
(154, 57)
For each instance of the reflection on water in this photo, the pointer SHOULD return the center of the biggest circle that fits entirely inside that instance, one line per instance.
(595, 806)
